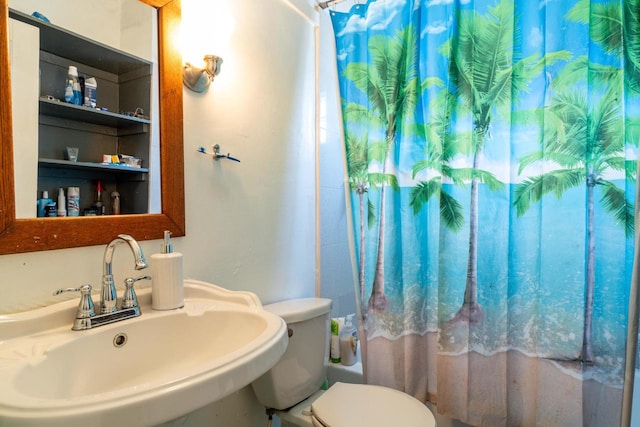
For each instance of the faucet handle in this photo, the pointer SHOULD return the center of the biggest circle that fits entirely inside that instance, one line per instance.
(86, 309)
(130, 300)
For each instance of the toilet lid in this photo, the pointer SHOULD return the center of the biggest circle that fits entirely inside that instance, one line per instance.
(346, 405)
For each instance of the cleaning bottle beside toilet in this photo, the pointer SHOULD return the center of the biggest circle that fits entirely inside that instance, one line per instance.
(348, 342)
(334, 344)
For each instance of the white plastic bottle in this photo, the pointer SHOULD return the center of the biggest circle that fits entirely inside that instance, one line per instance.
(62, 210)
(167, 288)
(90, 89)
(348, 342)
(115, 203)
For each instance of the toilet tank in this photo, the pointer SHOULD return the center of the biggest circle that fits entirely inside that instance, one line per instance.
(303, 367)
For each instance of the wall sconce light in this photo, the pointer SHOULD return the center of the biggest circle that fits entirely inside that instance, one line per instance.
(199, 79)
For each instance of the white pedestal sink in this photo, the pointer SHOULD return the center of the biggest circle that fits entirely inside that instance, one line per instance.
(142, 371)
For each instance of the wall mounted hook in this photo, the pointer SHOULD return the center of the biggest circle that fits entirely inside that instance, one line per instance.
(216, 153)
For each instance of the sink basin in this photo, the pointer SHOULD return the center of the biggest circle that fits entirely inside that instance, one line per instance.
(142, 371)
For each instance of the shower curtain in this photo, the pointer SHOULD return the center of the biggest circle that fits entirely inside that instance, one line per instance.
(491, 149)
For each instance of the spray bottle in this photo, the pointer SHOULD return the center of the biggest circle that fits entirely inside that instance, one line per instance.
(348, 342)
(62, 203)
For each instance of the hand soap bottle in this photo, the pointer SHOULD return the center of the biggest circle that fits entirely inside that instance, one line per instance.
(167, 291)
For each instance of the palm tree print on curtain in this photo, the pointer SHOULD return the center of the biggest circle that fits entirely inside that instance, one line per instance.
(491, 149)
(392, 89)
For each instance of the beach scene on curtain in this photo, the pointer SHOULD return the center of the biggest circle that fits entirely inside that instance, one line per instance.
(491, 149)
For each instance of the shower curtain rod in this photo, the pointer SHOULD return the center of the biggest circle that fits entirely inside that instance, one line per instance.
(326, 4)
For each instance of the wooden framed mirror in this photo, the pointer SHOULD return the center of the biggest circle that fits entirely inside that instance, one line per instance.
(39, 234)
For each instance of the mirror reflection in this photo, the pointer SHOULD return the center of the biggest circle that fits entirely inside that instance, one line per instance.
(21, 235)
(85, 103)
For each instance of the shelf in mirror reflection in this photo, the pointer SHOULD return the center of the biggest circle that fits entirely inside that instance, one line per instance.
(90, 115)
(68, 164)
(77, 47)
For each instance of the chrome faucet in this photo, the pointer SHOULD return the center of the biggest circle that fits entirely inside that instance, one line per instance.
(108, 296)
(86, 317)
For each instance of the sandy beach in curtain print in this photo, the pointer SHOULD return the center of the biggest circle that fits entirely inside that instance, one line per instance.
(542, 392)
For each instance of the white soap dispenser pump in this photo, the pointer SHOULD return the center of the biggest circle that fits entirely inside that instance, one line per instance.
(167, 290)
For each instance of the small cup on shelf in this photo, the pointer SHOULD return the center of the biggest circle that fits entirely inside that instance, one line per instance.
(72, 154)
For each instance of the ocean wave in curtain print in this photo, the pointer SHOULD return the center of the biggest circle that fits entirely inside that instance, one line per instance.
(491, 150)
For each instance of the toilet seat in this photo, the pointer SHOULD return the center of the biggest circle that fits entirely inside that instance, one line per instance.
(346, 405)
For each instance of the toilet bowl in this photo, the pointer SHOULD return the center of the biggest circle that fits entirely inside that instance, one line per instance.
(292, 388)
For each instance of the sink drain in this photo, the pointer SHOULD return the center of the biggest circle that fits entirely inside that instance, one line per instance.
(120, 340)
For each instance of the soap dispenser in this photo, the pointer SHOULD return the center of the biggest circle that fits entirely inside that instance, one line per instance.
(167, 290)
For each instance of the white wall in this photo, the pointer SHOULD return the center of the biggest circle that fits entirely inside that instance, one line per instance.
(24, 98)
(252, 223)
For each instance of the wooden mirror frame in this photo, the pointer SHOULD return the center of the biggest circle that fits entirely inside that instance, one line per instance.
(39, 234)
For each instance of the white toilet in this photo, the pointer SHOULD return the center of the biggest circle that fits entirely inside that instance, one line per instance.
(293, 386)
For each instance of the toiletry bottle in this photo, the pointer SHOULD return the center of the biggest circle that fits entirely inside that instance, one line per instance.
(73, 201)
(97, 204)
(90, 89)
(115, 203)
(62, 203)
(42, 203)
(167, 291)
(72, 93)
(50, 210)
(334, 348)
(348, 342)
(68, 91)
